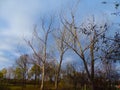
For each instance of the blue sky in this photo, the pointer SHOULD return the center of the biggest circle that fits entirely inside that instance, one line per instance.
(17, 19)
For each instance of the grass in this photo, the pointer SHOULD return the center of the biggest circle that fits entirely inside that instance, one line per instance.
(32, 87)
(28, 87)
(48, 86)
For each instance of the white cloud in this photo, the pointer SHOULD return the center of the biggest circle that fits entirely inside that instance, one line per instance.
(68, 59)
(21, 15)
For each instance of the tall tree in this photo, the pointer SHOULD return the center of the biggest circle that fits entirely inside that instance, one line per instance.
(62, 48)
(84, 41)
(41, 52)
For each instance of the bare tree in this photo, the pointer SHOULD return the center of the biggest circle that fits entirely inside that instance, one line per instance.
(41, 52)
(84, 41)
(62, 48)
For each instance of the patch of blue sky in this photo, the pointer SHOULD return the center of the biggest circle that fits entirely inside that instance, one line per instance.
(7, 59)
(8, 54)
(3, 23)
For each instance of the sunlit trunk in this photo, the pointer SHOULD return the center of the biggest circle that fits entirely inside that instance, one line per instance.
(43, 74)
(56, 82)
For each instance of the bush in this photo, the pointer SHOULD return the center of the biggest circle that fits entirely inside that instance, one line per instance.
(4, 88)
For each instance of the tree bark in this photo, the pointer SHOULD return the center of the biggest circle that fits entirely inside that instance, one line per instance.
(93, 85)
(56, 82)
(58, 71)
(43, 74)
(92, 62)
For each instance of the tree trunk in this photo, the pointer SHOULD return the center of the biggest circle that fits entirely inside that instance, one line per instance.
(43, 74)
(75, 85)
(56, 82)
(93, 85)
(58, 71)
(35, 79)
(92, 62)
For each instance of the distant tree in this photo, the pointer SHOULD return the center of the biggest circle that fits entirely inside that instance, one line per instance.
(74, 77)
(17, 73)
(4, 71)
(35, 73)
(10, 73)
(50, 68)
(1, 75)
(22, 67)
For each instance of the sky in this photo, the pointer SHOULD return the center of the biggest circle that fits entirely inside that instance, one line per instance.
(18, 17)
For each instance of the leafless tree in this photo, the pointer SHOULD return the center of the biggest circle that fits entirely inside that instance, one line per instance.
(62, 48)
(41, 51)
(84, 41)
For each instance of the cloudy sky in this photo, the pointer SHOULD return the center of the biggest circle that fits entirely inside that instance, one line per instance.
(18, 17)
